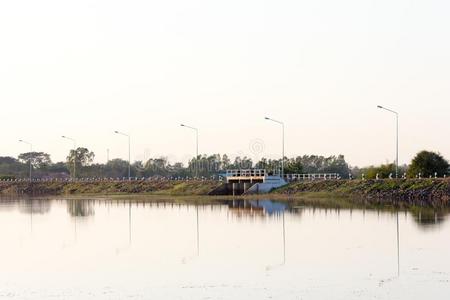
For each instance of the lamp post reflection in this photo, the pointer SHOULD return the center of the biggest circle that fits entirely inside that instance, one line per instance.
(79, 209)
(198, 232)
(398, 247)
(284, 241)
(185, 259)
(269, 268)
(129, 223)
(127, 247)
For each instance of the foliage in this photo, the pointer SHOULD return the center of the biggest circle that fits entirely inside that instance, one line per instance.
(38, 159)
(82, 157)
(206, 166)
(427, 163)
(383, 171)
(10, 166)
(308, 164)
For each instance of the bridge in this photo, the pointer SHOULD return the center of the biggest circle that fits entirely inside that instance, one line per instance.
(247, 181)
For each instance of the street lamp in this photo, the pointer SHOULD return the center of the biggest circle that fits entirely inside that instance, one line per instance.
(196, 140)
(75, 154)
(396, 142)
(129, 152)
(282, 159)
(31, 150)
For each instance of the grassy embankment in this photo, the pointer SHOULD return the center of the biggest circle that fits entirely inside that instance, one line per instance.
(434, 192)
(109, 188)
(424, 192)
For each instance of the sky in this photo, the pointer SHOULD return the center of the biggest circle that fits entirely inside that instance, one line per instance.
(87, 68)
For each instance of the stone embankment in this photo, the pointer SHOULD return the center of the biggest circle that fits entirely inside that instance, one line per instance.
(425, 192)
(163, 187)
(429, 192)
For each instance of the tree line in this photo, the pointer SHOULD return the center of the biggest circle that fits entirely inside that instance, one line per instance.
(81, 161)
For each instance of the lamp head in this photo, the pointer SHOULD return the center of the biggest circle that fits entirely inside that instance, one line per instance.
(182, 125)
(266, 118)
(115, 131)
(379, 106)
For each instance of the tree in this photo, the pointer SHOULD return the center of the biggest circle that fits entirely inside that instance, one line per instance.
(38, 159)
(82, 156)
(383, 171)
(226, 162)
(156, 166)
(293, 166)
(9, 166)
(116, 168)
(428, 163)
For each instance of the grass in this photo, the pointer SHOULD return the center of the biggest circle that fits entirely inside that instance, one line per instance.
(432, 192)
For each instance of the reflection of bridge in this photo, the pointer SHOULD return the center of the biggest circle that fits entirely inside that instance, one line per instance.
(255, 208)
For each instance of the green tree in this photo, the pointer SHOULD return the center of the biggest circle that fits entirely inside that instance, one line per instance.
(38, 159)
(116, 168)
(11, 167)
(82, 158)
(293, 166)
(427, 163)
(383, 171)
(225, 162)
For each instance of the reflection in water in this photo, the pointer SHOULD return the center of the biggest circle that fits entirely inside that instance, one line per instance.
(123, 249)
(428, 218)
(284, 241)
(129, 223)
(348, 253)
(283, 233)
(197, 238)
(398, 247)
(80, 208)
(255, 208)
(34, 206)
(198, 232)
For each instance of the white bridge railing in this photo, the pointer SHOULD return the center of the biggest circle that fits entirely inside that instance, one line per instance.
(318, 176)
(246, 173)
(287, 177)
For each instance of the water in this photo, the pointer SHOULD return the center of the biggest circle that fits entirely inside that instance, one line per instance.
(122, 249)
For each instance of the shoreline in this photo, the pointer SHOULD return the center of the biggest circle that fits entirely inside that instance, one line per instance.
(387, 192)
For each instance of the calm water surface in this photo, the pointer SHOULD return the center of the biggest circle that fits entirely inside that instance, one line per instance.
(121, 249)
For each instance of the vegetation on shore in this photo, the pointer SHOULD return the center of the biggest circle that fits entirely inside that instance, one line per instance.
(206, 166)
(430, 192)
(159, 187)
(422, 192)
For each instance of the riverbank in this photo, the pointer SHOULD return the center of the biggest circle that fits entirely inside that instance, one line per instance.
(409, 192)
(156, 187)
(423, 192)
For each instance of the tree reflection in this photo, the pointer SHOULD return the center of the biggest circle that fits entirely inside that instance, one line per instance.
(34, 206)
(80, 208)
(428, 218)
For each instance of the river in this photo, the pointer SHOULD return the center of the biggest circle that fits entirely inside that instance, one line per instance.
(113, 248)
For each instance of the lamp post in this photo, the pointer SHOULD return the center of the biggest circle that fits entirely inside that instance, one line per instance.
(396, 139)
(196, 141)
(129, 152)
(282, 138)
(31, 150)
(75, 154)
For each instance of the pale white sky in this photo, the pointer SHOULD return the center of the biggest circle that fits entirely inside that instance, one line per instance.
(86, 68)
